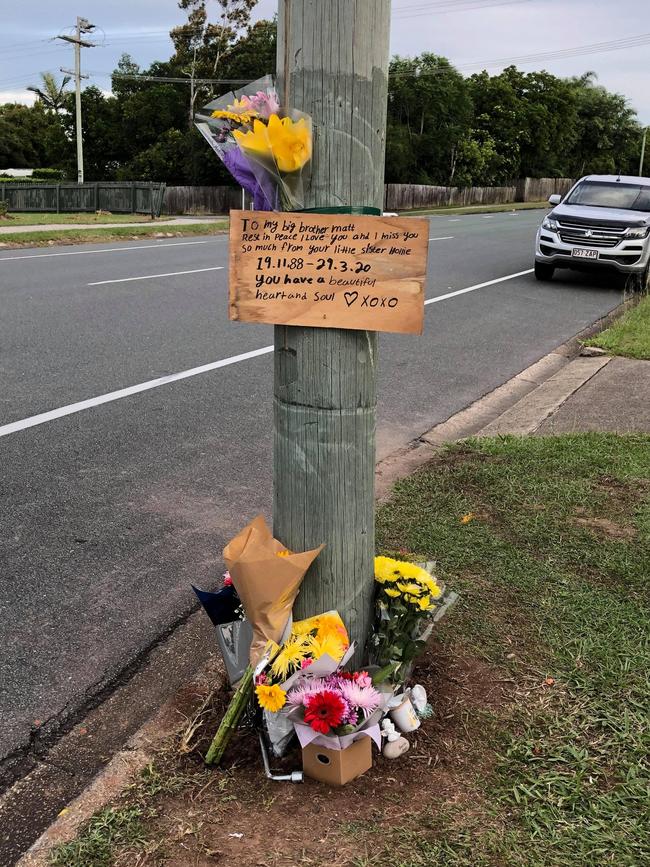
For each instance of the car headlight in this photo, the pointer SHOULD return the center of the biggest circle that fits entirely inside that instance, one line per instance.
(550, 225)
(641, 232)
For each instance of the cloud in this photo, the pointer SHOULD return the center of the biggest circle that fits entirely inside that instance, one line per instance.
(25, 97)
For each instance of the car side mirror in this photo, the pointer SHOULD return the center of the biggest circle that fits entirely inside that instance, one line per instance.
(555, 199)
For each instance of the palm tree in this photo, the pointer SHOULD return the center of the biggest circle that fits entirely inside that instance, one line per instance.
(51, 94)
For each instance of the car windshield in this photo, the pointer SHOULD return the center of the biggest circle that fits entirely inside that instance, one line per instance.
(629, 197)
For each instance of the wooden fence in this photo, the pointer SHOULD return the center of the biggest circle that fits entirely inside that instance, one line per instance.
(408, 197)
(130, 197)
(201, 200)
(539, 189)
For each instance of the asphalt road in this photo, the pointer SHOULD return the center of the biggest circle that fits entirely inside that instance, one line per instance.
(109, 512)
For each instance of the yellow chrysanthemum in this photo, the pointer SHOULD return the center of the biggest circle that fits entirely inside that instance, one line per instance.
(289, 658)
(332, 645)
(304, 627)
(285, 553)
(386, 570)
(288, 143)
(390, 591)
(271, 698)
(412, 572)
(412, 587)
(425, 604)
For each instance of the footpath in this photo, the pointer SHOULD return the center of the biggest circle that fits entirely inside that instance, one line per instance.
(566, 440)
(60, 227)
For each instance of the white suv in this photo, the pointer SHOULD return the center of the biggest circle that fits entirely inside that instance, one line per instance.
(602, 222)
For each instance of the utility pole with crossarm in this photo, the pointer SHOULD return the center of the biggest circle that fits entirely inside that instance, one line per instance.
(332, 63)
(83, 26)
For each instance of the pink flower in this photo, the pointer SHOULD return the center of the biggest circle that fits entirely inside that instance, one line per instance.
(363, 678)
(306, 663)
(364, 698)
(261, 679)
(302, 690)
(227, 580)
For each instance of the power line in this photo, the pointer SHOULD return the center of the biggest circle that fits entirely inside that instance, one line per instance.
(405, 12)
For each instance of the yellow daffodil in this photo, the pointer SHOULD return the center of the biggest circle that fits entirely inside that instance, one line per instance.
(390, 591)
(271, 698)
(289, 658)
(288, 143)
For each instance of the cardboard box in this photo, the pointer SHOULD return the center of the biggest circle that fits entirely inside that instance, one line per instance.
(337, 767)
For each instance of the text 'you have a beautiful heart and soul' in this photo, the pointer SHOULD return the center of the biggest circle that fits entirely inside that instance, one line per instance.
(328, 270)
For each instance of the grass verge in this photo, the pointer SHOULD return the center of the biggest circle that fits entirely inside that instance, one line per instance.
(537, 753)
(477, 209)
(629, 335)
(100, 236)
(42, 219)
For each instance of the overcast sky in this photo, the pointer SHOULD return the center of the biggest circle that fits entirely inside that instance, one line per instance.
(471, 33)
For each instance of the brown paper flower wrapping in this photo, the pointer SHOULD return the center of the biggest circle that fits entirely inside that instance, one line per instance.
(266, 583)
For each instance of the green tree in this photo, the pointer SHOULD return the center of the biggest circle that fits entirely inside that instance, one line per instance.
(51, 93)
(30, 137)
(429, 113)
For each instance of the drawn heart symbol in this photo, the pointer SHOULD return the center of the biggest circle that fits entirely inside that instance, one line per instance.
(350, 298)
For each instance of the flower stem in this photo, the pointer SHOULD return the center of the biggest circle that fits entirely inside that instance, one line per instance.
(230, 719)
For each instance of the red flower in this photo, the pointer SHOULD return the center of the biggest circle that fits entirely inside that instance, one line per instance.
(227, 580)
(324, 711)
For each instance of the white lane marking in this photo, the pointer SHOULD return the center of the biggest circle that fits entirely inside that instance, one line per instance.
(446, 238)
(151, 276)
(43, 417)
(110, 250)
(477, 286)
(487, 216)
(454, 220)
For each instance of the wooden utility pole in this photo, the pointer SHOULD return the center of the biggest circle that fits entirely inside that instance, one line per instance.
(332, 63)
(83, 26)
(645, 134)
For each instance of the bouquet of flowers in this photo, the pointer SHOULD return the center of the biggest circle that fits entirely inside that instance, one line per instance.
(408, 602)
(341, 705)
(234, 633)
(318, 644)
(266, 578)
(266, 148)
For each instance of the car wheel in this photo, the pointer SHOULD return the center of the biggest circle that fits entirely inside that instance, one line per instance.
(543, 271)
(639, 282)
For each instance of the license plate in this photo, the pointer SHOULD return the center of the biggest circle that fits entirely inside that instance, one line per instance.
(585, 254)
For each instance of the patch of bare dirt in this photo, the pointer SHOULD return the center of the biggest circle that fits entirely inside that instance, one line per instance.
(235, 816)
(606, 527)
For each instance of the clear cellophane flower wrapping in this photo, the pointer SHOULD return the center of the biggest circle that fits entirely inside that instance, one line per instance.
(266, 147)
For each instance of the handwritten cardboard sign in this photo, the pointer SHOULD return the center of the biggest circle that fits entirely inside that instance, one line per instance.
(328, 270)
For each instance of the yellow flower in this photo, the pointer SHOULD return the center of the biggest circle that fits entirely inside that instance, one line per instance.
(330, 624)
(287, 142)
(390, 591)
(243, 117)
(332, 645)
(412, 572)
(285, 553)
(425, 603)
(386, 570)
(412, 587)
(270, 698)
(289, 658)
(304, 627)
(467, 518)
